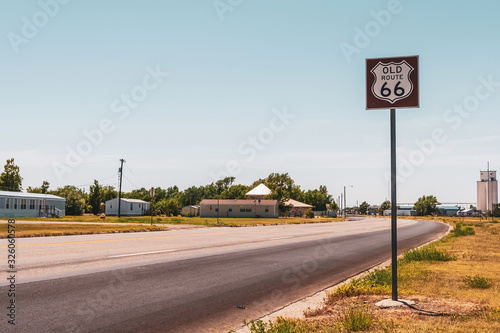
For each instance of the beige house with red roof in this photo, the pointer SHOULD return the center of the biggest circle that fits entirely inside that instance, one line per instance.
(253, 208)
(239, 208)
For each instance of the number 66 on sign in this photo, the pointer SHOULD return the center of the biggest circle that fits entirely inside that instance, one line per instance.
(392, 83)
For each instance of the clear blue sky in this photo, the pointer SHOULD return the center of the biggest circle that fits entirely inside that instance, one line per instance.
(68, 68)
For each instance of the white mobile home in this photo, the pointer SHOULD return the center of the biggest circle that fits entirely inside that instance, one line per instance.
(128, 207)
(18, 204)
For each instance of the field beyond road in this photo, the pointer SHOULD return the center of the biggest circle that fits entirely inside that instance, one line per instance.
(92, 224)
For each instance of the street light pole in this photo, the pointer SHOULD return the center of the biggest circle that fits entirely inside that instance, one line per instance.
(345, 207)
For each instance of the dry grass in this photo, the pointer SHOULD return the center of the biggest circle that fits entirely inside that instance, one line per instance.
(184, 220)
(444, 301)
(46, 229)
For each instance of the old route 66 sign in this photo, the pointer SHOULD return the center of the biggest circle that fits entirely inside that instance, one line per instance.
(392, 82)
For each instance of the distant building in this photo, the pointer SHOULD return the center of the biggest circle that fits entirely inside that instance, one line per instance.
(402, 211)
(297, 208)
(190, 211)
(373, 209)
(487, 191)
(18, 204)
(128, 207)
(239, 208)
(448, 210)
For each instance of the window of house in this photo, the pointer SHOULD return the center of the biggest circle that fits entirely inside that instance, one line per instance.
(15, 203)
(210, 207)
(23, 203)
(230, 210)
(7, 203)
(32, 204)
(248, 210)
(131, 206)
(216, 209)
(266, 210)
(242, 209)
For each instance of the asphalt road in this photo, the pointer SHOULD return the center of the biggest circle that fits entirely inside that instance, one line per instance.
(190, 280)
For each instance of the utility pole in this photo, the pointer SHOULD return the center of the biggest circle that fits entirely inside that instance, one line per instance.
(341, 204)
(120, 171)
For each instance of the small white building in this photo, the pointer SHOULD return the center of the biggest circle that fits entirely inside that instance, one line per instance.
(18, 204)
(190, 211)
(128, 207)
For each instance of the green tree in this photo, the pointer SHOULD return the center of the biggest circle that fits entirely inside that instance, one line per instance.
(168, 206)
(75, 199)
(108, 192)
(234, 192)
(191, 196)
(10, 178)
(426, 205)
(333, 206)
(363, 208)
(42, 189)
(140, 194)
(318, 198)
(95, 196)
(282, 188)
(384, 206)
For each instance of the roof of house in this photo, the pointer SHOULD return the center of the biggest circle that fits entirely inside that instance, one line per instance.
(298, 204)
(260, 190)
(30, 195)
(130, 200)
(448, 207)
(237, 202)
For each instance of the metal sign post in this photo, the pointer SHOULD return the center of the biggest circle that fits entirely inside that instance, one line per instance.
(392, 83)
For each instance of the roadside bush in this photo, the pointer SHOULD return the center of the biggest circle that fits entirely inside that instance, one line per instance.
(309, 214)
(461, 231)
(427, 253)
(357, 318)
(478, 282)
(280, 326)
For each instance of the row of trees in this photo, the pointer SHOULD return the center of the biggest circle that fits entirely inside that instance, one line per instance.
(168, 201)
(425, 205)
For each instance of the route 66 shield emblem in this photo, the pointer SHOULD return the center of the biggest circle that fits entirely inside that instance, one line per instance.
(392, 81)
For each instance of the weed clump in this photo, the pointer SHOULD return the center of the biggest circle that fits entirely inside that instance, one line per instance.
(280, 326)
(461, 231)
(477, 282)
(427, 253)
(357, 318)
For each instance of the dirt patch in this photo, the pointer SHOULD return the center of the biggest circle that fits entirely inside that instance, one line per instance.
(424, 308)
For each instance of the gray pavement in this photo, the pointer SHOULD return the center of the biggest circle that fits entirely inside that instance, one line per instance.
(191, 280)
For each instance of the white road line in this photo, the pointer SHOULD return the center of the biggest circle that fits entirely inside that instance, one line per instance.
(284, 237)
(138, 254)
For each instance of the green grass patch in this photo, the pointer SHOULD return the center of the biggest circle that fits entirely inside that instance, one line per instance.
(426, 253)
(280, 326)
(357, 318)
(478, 282)
(378, 282)
(460, 230)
